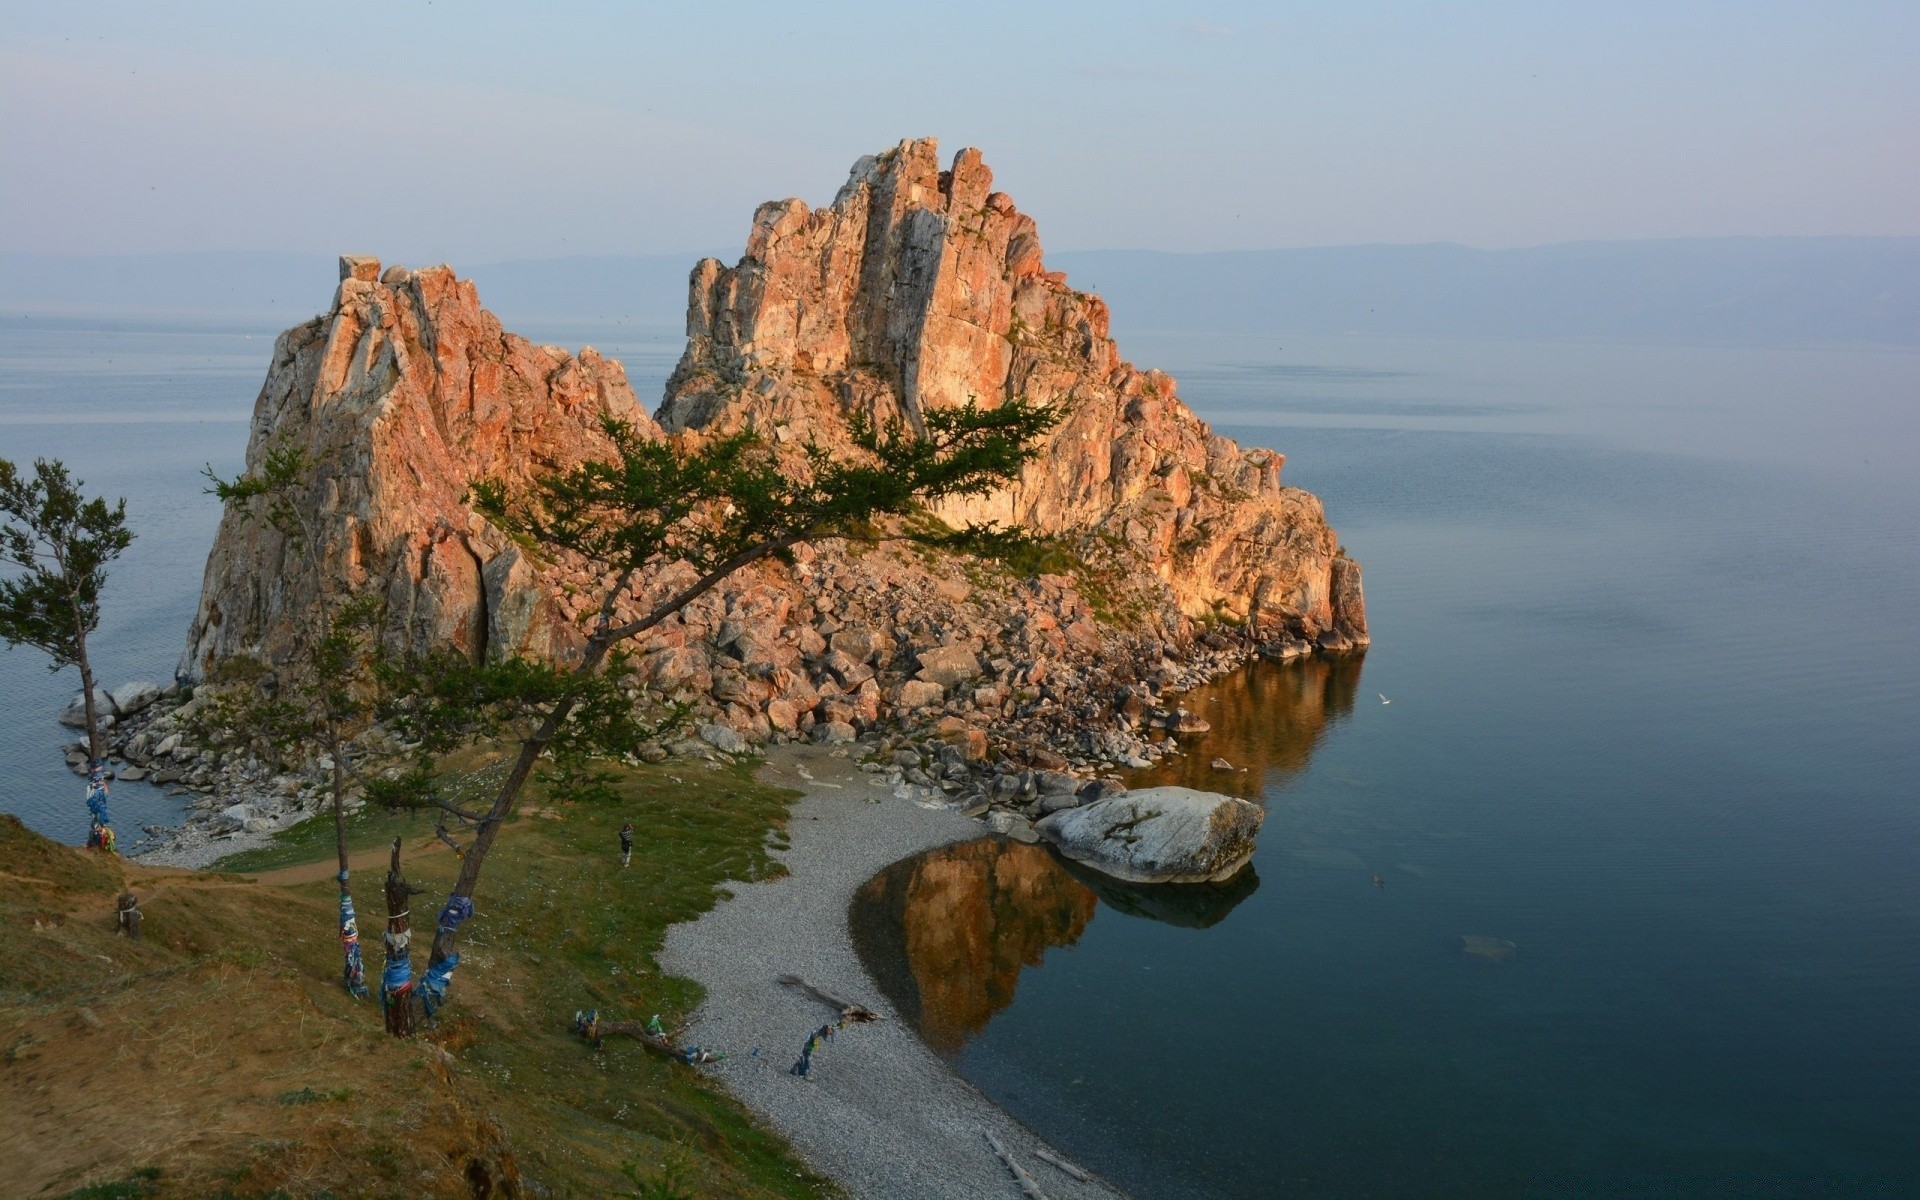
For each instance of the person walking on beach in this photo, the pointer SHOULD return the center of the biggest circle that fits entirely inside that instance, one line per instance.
(626, 844)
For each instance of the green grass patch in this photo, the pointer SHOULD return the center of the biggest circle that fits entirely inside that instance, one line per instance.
(234, 993)
(312, 840)
(562, 927)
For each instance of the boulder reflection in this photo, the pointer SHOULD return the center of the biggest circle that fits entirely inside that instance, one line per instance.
(946, 933)
(1268, 718)
(1192, 905)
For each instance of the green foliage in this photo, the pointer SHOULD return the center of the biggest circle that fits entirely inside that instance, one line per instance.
(731, 500)
(717, 506)
(278, 482)
(60, 542)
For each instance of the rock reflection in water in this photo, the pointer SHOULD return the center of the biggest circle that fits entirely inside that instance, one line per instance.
(1192, 905)
(947, 933)
(1267, 717)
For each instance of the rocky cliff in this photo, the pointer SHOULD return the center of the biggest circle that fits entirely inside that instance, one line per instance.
(916, 289)
(403, 392)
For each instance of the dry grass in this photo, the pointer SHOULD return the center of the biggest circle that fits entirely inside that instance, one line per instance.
(220, 1056)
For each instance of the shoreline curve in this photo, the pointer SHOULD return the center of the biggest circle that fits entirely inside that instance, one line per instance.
(881, 1113)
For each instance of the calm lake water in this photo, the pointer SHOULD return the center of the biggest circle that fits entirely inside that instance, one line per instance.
(1649, 620)
(1650, 624)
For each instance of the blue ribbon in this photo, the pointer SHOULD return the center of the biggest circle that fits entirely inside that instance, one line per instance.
(395, 980)
(433, 985)
(355, 971)
(458, 909)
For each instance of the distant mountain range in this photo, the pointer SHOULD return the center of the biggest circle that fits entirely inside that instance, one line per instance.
(1701, 290)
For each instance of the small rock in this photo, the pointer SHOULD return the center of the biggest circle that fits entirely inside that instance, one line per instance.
(724, 738)
(833, 733)
(948, 665)
(920, 693)
(1057, 782)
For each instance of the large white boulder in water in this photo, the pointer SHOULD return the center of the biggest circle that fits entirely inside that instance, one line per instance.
(1159, 835)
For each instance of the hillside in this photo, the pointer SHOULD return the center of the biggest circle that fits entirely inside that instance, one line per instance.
(218, 1056)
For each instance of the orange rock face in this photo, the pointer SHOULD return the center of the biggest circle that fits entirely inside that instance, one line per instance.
(404, 392)
(916, 290)
(919, 289)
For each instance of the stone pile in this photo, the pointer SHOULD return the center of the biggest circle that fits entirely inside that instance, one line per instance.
(918, 288)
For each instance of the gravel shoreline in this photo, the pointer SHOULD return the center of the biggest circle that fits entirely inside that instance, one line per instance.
(881, 1113)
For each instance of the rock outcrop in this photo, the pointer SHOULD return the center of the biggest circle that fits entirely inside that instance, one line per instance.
(402, 394)
(919, 289)
(1159, 835)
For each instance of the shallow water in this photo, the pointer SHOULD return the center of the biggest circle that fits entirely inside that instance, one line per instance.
(1649, 622)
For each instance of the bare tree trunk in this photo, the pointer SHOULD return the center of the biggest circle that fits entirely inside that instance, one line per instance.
(96, 745)
(396, 982)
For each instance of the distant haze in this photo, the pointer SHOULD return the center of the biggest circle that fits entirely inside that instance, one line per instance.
(1777, 291)
(485, 130)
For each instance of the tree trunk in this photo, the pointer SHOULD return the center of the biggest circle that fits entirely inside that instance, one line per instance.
(446, 939)
(353, 970)
(96, 745)
(396, 982)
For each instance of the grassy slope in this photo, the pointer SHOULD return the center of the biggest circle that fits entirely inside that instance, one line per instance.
(221, 1053)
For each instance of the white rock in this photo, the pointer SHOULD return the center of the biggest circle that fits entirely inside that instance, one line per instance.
(724, 739)
(75, 714)
(130, 698)
(1159, 835)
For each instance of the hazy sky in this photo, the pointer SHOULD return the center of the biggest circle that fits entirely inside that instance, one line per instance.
(422, 130)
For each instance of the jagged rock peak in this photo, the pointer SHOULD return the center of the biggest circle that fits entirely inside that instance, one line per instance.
(919, 289)
(401, 394)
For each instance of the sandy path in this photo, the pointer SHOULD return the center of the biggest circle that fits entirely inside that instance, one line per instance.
(881, 1113)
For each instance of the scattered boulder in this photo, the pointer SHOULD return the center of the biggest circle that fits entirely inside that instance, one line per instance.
(74, 716)
(130, 698)
(833, 733)
(1057, 783)
(858, 642)
(724, 739)
(948, 665)
(1159, 835)
(920, 693)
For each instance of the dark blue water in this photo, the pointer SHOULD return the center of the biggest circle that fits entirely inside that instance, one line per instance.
(1650, 625)
(136, 409)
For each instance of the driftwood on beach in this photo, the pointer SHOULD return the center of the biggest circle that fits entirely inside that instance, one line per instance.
(1047, 1156)
(1020, 1176)
(593, 1028)
(848, 1010)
